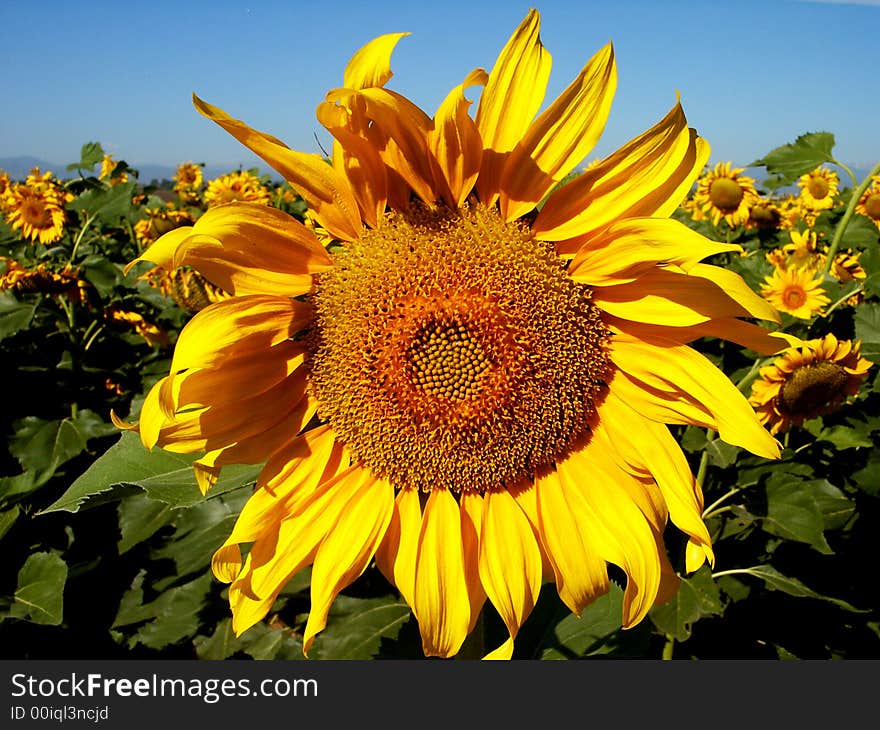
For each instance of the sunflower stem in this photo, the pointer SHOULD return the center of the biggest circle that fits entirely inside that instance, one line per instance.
(668, 647)
(79, 238)
(849, 172)
(708, 512)
(860, 288)
(844, 222)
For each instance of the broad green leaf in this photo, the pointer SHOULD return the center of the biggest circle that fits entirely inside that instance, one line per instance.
(108, 205)
(793, 513)
(90, 155)
(15, 486)
(103, 274)
(14, 315)
(356, 627)
(867, 321)
(43, 446)
(721, 454)
(261, 641)
(835, 507)
(861, 232)
(163, 475)
(788, 162)
(170, 617)
(697, 596)
(200, 530)
(842, 437)
(139, 519)
(40, 594)
(868, 477)
(588, 635)
(793, 587)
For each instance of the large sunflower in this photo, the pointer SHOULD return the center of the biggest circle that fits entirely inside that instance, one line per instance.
(807, 381)
(468, 391)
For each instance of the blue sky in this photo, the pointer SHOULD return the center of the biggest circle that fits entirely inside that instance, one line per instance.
(752, 75)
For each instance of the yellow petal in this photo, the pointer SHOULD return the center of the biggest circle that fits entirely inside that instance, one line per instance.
(664, 296)
(327, 193)
(513, 94)
(618, 529)
(471, 507)
(684, 374)
(581, 575)
(371, 65)
(560, 138)
(736, 288)
(396, 556)
(442, 606)
(510, 561)
(161, 252)
(455, 142)
(628, 248)
(348, 547)
(649, 447)
(640, 179)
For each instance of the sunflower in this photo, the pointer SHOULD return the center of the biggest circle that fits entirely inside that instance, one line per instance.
(808, 381)
(764, 214)
(869, 202)
(470, 392)
(5, 190)
(725, 193)
(108, 165)
(188, 180)
(236, 186)
(818, 189)
(188, 288)
(36, 207)
(159, 221)
(803, 251)
(152, 334)
(795, 291)
(17, 278)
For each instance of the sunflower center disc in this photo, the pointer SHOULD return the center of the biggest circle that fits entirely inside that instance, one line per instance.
(725, 194)
(818, 187)
(36, 214)
(872, 206)
(811, 388)
(794, 297)
(451, 349)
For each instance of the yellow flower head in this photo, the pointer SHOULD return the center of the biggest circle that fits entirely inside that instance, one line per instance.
(241, 186)
(803, 251)
(869, 202)
(159, 221)
(108, 164)
(5, 190)
(152, 334)
(468, 391)
(17, 278)
(808, 381)
(725, 193)
(795, 291)
(818, 188)
(764, 214)
(188, 180)
(36, 207)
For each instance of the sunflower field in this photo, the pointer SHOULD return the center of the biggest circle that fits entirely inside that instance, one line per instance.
(133, 477)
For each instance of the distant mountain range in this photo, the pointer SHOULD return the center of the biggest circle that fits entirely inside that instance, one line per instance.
(19, 168)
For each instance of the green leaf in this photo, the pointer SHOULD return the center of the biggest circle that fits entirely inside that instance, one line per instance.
(14, 315)
(697, 596)
(588, 635)
(43, 446)
(793, 587)
(260, 642)
(139, 519)
(356, 627)
(201, 529)
(173, 616)
(103, 274)
(842, 437)
(163, 475)
(108, 205)
(8, 518)
(867, 321)
(90, 155)
(40, 594)
(805, 154)
(836, 509)
(868, 477)
(793, 513)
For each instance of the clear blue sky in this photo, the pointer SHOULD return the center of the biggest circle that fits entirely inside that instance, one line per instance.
(752, 75)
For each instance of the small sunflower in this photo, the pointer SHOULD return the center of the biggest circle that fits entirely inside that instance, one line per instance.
(472, 386)
(764, 214)
(869, 202)
(188, 288)
(159, 221)
(239, 186)
(795, 291)
(725, 193)
(808, 381)
(5, 190)
(152, 334)
(108, 165)
(188, 181)
(818, 189)
(17, 278)
(36, 207)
